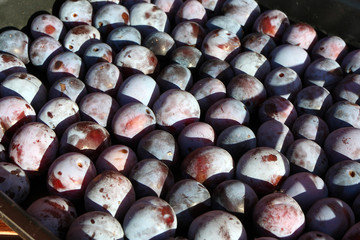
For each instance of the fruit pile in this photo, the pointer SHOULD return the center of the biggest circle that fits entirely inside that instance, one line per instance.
(172, 119)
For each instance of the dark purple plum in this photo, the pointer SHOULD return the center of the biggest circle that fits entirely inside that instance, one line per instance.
(150, 218)
(247, 89)
(348, 89)
(225, 22)
(244, 12)
(69, 175)
(34, 147)
(162, 44)
(54, 213)
(352, 233)
(207, 91)
(195, 135)
(189, 199)
(161, 145)
(117, 157)
(252, 63)
(314, 100)
(123, 36)
(310, 127)
(279, 109)
(274, 134)
(306, 155)
(284, 82)
(147, 18)
(75, 12)
(237, 140)
(342, 114)
(131, 122)
(111, 192)
(258, 42)
(86, 137)
(216, 68)
(103, 77)
(278, 215)
(151, 177)
(47, 25)
(343, 144)
(332, 47)
(109, 17)
(27, 86)
(323, 72)
(343, 180)
(15, 42)
(350, 63)
(217, 224)
(263, 169)
(306, 188)
(58, 114)
(331, 216)
(42, 50)
(66, 64)
(227, 112)
(70, 87)
(14, 113)
(98, 107)
(235, 197)
(174, 76)
(95, 223)
(14, 182)
(209, 165)
(300, 34)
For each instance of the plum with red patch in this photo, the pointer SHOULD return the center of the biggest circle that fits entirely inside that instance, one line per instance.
(97, 52)
(263, 169)
(332, 47)
(188, 33)
(78, 38)
(278, 215)
(191, 10)
(300, 34)
(70, 87)
(47, 25)
(75, 13)
(69, 175)
(209, 165)
(258, 42)
(85, 137)
(150, 217)
(10, 64)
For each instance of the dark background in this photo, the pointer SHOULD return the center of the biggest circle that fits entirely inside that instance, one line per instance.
(332, 17)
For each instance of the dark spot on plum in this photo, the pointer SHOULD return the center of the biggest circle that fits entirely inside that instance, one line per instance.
(166, 215)
(281, 75)
(58, 65)
(74, 15)
(8, 58)
(59, 173)
(352, 173)
(124, 151)
(16, 172)
(125, 17)
(105, 206)
(92, 221)
(57, 184)
(22, 76)
(82, 29)
(80, 165)
(95, 49)
(101, 190)
(50, 115)
(147, 15)
(71, 47)
(50, 29)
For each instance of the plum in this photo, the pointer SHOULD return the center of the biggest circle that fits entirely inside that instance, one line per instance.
(34, 147)
(209, 165)
(189, 199)
(16, 43)
(10, 64)
(217, 224)
(263, 169)
(300, 34)
(70, 87)
(117, 157)
(97, 52)
(95, 224)
(331, 216)
(78, 38)
(110, 191)
(161, 44)
(75, 13)
(332, 47)
(348, 89)
(350, 63)
(174, 76)
(225, 22)
(278, 215)
(343, 114)
(151, 177)
(216, 68)
(47, 25)
(14, 182)
(175, 109)
(188, 33)
(188, 56)
(306, 155)
(69, 175)
(123, 36)
(191, 10)
(258, 42)
(54, 212)
(150, 218)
